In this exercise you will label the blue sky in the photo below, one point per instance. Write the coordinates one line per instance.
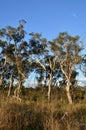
(48, 17)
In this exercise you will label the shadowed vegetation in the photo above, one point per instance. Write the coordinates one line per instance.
(34, 113)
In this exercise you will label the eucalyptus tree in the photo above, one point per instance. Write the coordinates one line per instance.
(42, 57)
(67, 49)
(15, 52)
(52, 72)
(37, 51)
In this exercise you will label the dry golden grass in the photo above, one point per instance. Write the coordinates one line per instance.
(40, 115)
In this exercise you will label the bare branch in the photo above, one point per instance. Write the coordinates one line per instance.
(63, 71)
(42, 65)
(22, 74)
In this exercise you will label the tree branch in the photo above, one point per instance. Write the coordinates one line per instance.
(22, 74)
(42, 65)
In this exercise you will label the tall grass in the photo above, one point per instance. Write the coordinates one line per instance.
(37, 114)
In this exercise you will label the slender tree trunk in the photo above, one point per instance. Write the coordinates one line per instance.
(0, 81)
(17, 90)
(68, 92)
(10, 86)
(49, 87)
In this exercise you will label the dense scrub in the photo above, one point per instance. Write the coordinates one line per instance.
(35, 113)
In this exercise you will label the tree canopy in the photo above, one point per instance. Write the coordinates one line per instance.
(49, 60)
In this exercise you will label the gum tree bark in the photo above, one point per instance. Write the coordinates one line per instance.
(67, 50)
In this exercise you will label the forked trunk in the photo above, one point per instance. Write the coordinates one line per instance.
(17, 90)
(68, 92)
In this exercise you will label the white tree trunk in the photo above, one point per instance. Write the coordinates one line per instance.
(17, 90)
(49, 88)
(68, 92)
(10, 86)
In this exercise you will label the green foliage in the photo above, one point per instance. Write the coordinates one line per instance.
(49, 60)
